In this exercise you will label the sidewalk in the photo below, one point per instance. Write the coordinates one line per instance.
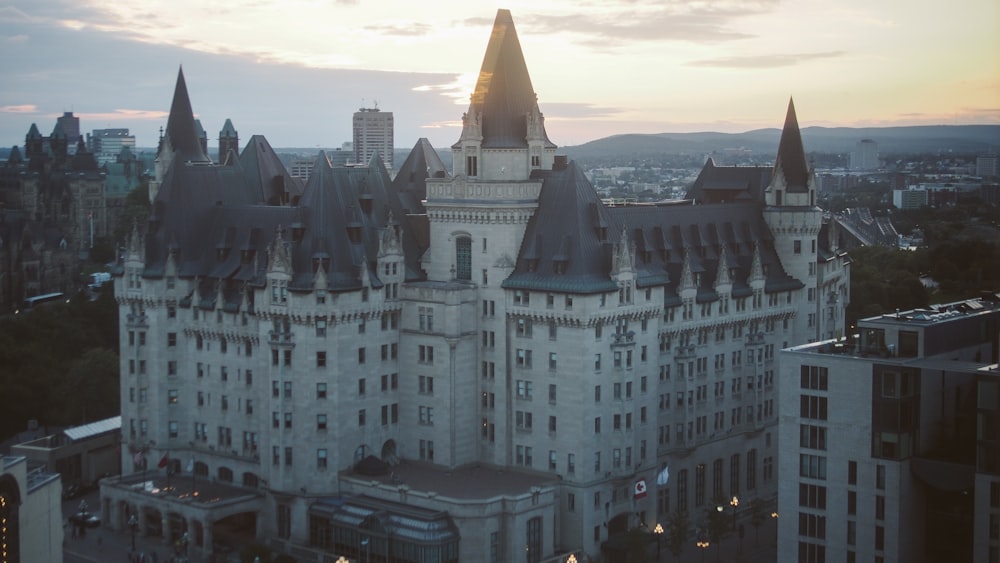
(102, 544)
(758, 546)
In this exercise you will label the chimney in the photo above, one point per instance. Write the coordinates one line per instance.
(560, 162)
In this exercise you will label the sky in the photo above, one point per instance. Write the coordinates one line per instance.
(296, 70)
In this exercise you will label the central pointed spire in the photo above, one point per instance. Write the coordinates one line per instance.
(182, 133)
(504, 95)
(791, 159)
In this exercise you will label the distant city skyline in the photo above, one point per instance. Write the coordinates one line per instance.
(296, 72)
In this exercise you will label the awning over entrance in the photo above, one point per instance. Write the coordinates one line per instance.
(402, 522)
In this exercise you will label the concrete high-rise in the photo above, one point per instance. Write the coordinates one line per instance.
(865, 155)
(373, 132)
(888, 440)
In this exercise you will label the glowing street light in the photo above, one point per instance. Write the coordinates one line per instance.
(658, 530)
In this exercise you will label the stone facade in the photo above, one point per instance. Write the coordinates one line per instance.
(506, 322)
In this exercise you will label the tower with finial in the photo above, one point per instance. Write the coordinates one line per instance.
(229, 144)
(792, 215)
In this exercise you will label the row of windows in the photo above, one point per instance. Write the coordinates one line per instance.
(700, 498)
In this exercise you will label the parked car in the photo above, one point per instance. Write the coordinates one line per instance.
(78, 489)
(86, 519)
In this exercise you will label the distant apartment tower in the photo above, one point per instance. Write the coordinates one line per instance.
(909, 198)
(881, 459)
(865, 155)
(107, 144)
(987, 165)
(373, 131)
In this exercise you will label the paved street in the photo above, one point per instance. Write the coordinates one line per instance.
(101, 545)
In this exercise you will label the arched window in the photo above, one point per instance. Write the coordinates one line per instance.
(463, 258)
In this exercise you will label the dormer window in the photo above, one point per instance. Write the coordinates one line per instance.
(354, 232)
(298, 232)
(602, 234)
(246, 255)
(366, 202)
(471, 166)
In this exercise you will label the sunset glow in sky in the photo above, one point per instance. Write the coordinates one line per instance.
(295, 71)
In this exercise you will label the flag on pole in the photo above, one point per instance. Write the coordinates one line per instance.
(164, 461)
(663, 476)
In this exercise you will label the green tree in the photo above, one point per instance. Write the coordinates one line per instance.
(678, 530)
(717, 523)
(637, 546)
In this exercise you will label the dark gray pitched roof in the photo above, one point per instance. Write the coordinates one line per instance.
(266, 174)
(182, 132)
(568, 243)
(791, 160)
(719, 184)
(564, 246)
(33, 132)
(411, 181)
(504, 95)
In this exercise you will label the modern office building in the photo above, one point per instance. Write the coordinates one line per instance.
(486, 364)
(107, 144)
(373, 132)
(988, 166)
(910, 198)
(888, 440)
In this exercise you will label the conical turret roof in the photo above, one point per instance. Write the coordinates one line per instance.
(504, 95)
(182, 132)
(791, 160)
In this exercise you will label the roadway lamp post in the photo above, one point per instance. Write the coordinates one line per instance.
(774, 516)
(735, 503)
(133, 523)
(703, 545)
(658, 530)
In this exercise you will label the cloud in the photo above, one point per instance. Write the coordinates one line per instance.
(684, 20)
(23, 108)
(413, 30)
(765, 61)
(121, 114)
(19, 38)
(571, 110)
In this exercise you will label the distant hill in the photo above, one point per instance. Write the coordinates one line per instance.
(764, 142)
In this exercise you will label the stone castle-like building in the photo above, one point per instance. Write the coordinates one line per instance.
(456, 366)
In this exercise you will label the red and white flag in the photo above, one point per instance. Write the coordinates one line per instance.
(640, 489)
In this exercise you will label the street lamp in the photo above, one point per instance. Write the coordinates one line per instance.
(735, 503)
(366, 543)
(774, 515)
(342, 559)
(133, 523)
(703, 544)
(658, 530)
(571, 558)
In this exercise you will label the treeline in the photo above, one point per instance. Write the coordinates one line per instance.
(961, 259)
(59, 364)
